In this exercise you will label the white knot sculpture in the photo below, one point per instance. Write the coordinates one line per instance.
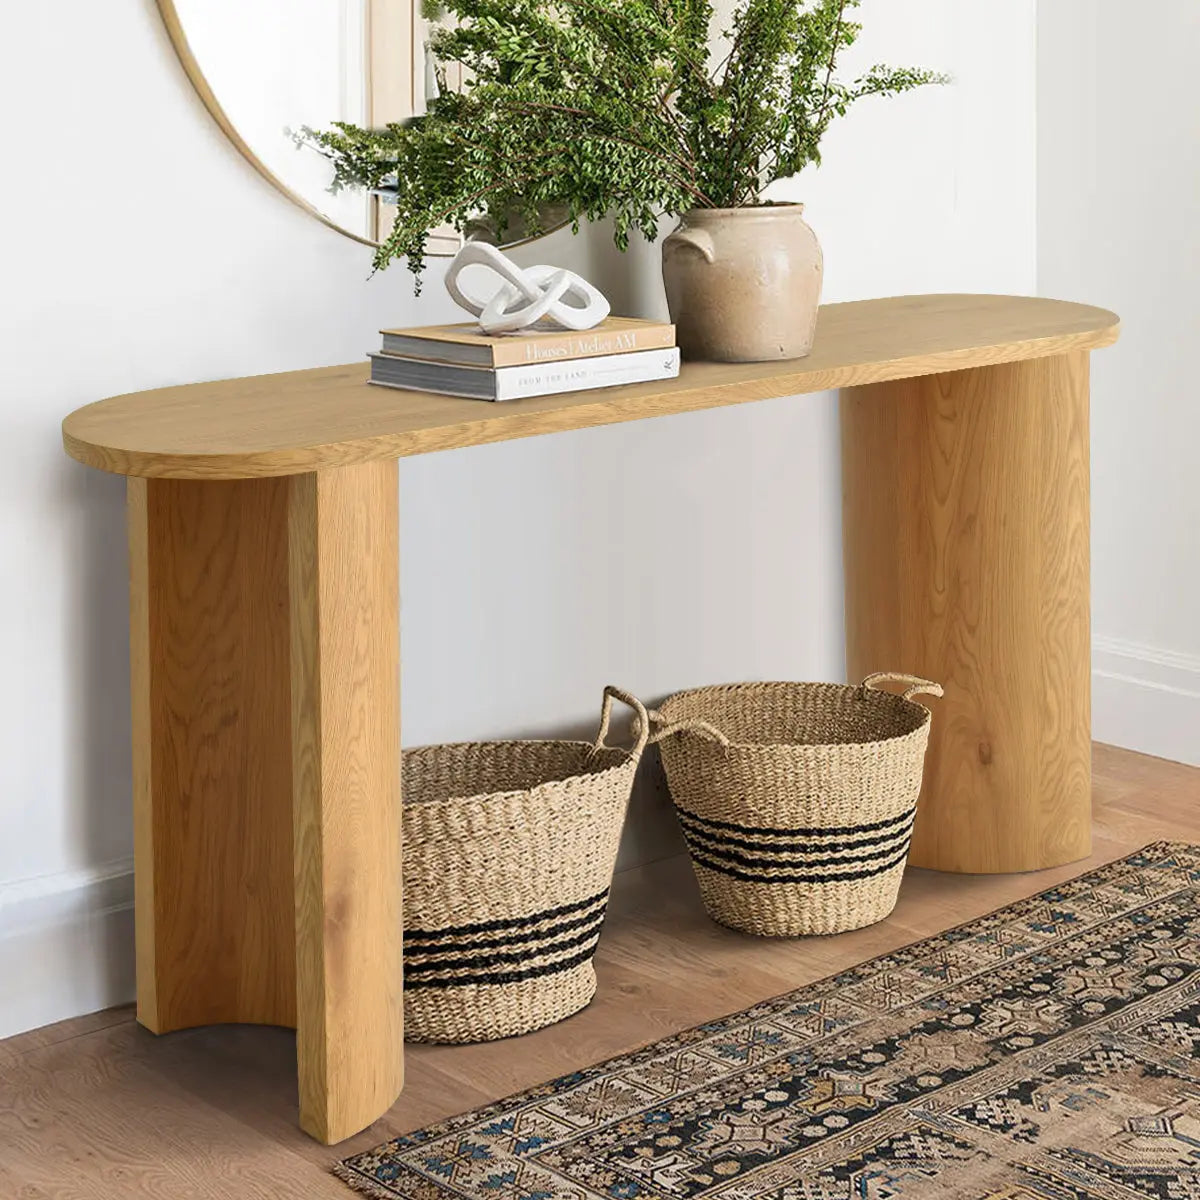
(551, 295)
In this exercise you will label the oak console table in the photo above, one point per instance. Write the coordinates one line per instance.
(264, 617)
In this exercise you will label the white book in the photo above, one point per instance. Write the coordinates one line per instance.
(535, 379)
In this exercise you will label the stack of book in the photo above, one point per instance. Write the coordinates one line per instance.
(460, 360)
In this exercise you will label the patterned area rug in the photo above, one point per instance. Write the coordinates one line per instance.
(1050, 1050)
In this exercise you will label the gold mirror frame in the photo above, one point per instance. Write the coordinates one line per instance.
(441, 245)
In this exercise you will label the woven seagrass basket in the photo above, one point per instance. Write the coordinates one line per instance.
(797, 800)
(509, 850)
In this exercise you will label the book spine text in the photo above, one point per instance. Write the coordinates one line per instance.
(513, 383)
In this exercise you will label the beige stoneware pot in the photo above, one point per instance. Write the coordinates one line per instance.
(743, 284)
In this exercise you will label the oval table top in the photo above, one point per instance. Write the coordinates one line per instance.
(299, 421)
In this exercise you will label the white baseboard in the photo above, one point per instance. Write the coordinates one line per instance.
(66, 945)
(1146, 699)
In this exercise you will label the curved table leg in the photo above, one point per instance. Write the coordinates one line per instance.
(965, 524)
(345, 617)
(265, 656)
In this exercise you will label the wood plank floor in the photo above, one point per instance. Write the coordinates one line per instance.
(99, 1109)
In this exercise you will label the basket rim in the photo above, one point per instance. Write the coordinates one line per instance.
(627, 759)
(876, 694)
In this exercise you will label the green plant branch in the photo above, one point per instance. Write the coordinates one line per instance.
(608, 107)
(605, 136)
(823, 105)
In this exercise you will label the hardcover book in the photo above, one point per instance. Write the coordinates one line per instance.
(465, 344)
(534, 379)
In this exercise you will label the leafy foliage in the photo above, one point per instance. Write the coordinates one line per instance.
(597, 107)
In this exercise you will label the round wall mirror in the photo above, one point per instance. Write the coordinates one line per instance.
(266, 68)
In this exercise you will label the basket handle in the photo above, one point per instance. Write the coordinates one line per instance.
(691, 725)
(641, 721)
(916, 685)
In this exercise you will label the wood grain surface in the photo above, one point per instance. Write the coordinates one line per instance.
(97, 1109)
(345, 662)
(211, 752)
(307, 420)
(966, 558)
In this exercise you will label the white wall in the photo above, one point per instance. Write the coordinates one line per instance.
(1119, 225)
(139, 250)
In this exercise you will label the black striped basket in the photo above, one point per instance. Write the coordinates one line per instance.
(797, 800)
(509, 850)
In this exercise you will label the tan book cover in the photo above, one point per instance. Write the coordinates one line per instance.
(465, 343)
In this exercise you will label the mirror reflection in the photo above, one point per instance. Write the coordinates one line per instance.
(267, 68)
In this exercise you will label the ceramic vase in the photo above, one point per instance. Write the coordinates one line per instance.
(743, 284)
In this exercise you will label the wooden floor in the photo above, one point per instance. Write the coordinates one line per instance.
(99, 1109)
